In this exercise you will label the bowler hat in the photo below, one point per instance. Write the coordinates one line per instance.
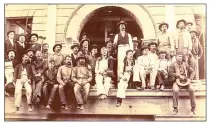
(144, 47)
(121, 22)
(152, 43)
(30, 50)
(10, 32)
(135, 39)
(94, 46)
(193, 31)
(21, 35)
(189, 23)
(34, 34)
(83, 40)
(75, 45)
(182, 20)
(8, 51)
(80, 57)
(162, 52)
(163, 23)
(55, 46)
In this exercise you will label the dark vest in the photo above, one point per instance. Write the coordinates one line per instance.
(123, 40)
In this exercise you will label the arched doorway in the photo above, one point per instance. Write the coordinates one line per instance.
(102, 24)
(81, 16)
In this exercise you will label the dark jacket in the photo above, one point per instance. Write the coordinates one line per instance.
(50, 76)
(39, 66)
(35, 46)
(137, 54)
(18, 70)
(73, 60)
(8, 46)
(20, 51)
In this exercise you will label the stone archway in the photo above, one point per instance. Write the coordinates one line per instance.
(81, 15)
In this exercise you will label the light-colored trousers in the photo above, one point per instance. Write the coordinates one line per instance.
(9, 76)
(18, 91)
(152, 73)
(121, 55)
(81, 95)
(122, 85)
(136, 73)
(103, 84)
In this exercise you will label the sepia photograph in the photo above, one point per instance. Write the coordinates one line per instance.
(105, 62)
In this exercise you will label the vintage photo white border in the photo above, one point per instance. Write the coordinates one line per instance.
(98, 2)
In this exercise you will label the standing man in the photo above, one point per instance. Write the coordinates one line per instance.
(102, 70)
(164, 40)
(45, 53)
(21, 47)
(75, 49)
(182, 81)
(110, 49)
(123, 42)
(82, 77)
(10, 42)
(22, 77)
(93, 58)
(183, 41)
(57, 56)
(125, 72)
(189, 26)
(33, 43)
(65, 82)
(136, 50)
(197, 52)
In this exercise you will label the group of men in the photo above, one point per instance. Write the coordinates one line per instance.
(123, 61)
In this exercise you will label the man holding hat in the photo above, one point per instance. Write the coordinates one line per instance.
(10, 43)
(197, 52)
(189, 26)
(82, 77)
(57, 56)
(182, 69)
(183, 41)
(123, 42)
(164, 40)
(21, 47)
(33, 42)
(75, 49)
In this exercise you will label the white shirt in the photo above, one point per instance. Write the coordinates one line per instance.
(129, 39)
(101, 66)
(11, 41)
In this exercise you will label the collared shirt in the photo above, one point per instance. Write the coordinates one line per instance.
(144, 60)
(129, 40)
(165, 42)
(183, 39)
(101, 65)
(154, 59)
(163, 63)
(58, 58)
(64, 73)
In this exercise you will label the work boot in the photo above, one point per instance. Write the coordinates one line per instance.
(193, 111)
(175, 111)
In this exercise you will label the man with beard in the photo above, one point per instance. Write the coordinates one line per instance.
(183, 41)
(33, 42)
(84, 47)
(82, 77)
(31, 56)
(65, 82)
(10, 42)
(104, 66)
(93, 58)
(38, 68)
(125, 73)
(22, 77)
(75, 49)
(197, 52)
(45, 53)
(123, 42)
(10, 64)
(21, 47)
(164, 40)
(57, 56)
(182, 81)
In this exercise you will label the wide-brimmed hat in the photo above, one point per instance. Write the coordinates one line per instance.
(189, 23)
(85, 39)
(162, 52)
(81, 57)
(34, 34)
(10, 32)
(144, 47)
(193, 31)
(163, 23)
(10, 51)
(135, 39)
(21, 35)
(75, 45)
(152, 43)
(121, 22)
(55, 46)
(108, 40)
(94, 46)
(30, 50)
(182, 20)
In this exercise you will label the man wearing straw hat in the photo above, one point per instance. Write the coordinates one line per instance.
(123, 42)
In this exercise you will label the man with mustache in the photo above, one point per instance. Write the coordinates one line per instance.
(123, 42)
(45, 53)
(183, 41)
(82, 77)
(21, 47)
(65, 82)
(10, 43)
(164, 40)
(57, 56)
(75, 49)
(22, 77)
(33, 43)
(10, 64)
(31, 56)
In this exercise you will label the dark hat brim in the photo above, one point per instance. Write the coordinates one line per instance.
(83, 40)
(75, 45)
(10, 32)
(189, 23)
(162, 52)
(55, 46)
(194, 32)
(121, 22)
(30, 50)
(136, 41)
(162, 25)
(152, 43)
(81, 57)
(182, 20)
(144, 47)
(34, 34)
(94, 46)
(10, 51)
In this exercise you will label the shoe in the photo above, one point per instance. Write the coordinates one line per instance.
(138, 88)
(17, 109)
(48, 107)
(30, 109)
(175, 111)
(153, 88)
(162, 87)
(193, 111)
(78, 106)
(66, 108)
(118, 104)
(82, 107)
